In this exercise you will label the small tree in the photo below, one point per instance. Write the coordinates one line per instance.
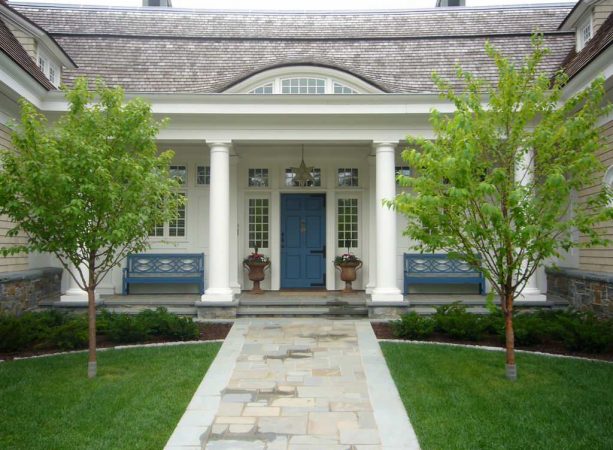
(89, 188)
(494, 187)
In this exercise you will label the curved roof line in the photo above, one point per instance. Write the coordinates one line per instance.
(304, 63)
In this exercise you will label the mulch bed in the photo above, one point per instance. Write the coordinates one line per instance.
(209, 331)
(383, 330)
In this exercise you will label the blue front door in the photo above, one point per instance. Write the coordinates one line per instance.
(303, 240)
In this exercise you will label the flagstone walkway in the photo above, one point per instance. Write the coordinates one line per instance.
(296, 384)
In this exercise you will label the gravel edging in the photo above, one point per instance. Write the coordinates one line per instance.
(493, 349)
(117, 347)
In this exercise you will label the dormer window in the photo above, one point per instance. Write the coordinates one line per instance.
(584, 33)
(302, 86)
(48, 67)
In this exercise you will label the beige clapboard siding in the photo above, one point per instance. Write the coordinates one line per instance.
(26, 40)
(16, 262)
(600, 259)
(601, 12)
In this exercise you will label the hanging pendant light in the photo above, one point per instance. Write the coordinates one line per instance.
(304, 174)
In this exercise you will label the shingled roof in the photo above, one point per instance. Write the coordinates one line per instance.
(603, 38)
(10, 46)
(166, 50)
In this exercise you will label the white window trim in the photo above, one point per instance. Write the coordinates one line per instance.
(344, 196)
(49, 64)
(330, 75)
(581, 25)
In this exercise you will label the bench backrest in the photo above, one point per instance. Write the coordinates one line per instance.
(435, 263)
(169, 263)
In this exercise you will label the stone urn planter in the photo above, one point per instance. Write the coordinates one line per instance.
(256, 264)
(348, 266)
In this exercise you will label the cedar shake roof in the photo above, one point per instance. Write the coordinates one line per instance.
(13, 49)
(575, 62)
(172, 50)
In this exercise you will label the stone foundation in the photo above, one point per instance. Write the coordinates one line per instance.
(584, 291)
(217, 310)
(24, 290)
(387, 310)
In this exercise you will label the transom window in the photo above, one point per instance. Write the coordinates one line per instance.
(265, 89)
(348, 177)
(258, 222)
(258, 177)
(203, 175)
(404, 171)
(341, 89)
(347, 222)
(290, 177)
(303, 86)
(180, 173)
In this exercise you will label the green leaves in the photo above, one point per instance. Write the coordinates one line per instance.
(497, 179)
(90, 187)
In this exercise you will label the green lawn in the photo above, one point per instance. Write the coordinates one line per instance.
(458, 398)
(134, 403)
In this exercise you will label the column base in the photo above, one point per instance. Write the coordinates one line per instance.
(532, 295)
(77, 296)
(369, 289)
(218, 295)
(386, 295)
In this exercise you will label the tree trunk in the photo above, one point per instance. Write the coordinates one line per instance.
(511, 369)
(91, 313)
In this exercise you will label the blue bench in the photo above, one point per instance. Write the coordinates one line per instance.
(163, 268)
(437, 268)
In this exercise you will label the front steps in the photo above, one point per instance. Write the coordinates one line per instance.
(330, 304)
(336, 308)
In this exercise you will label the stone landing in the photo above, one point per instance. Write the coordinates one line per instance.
(296, 384)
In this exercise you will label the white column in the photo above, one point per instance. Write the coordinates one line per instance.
(372, 228)
(74, 292)
(386, 288)
(218, 258)
(234, 258)
(524, 174)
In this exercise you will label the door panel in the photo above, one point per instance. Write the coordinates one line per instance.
(303, 240)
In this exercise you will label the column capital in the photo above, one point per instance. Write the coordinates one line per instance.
(384, 146)
(220, 145)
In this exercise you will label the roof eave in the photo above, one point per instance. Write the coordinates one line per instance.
(570, 21)
(45, 38)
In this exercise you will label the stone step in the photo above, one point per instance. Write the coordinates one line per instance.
(302, 311)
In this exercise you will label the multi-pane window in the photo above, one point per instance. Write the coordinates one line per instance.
(290, 178)
(52, 75)
(158, 230)
(203, 175)
(176, 228)
(265, 89)
(348, 177)
(584, 33)
(404, 171)
(42, 64)
(258, 177)
(341, 89)
(303, 86)
(347, 222)
(258, 223)
(180, 173)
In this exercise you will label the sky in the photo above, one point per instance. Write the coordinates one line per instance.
(296, 4)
